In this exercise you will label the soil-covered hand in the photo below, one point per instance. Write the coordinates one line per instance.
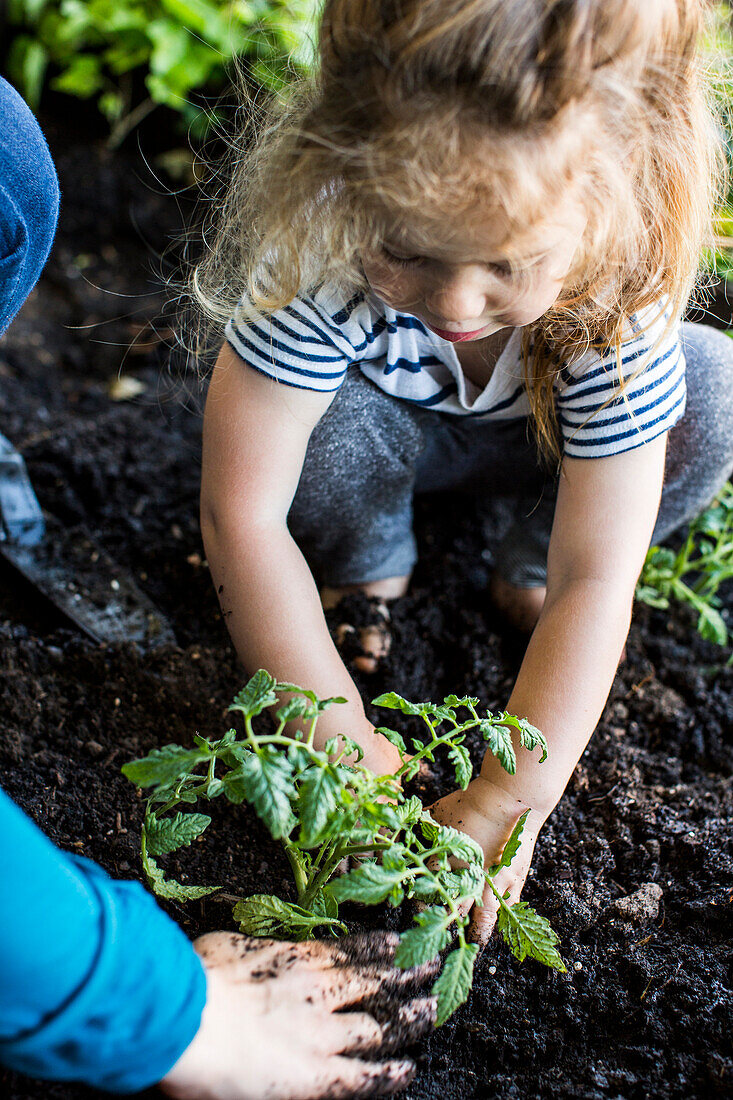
(274, 1027)
(488, 814)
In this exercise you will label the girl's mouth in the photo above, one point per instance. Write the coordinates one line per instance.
(456, 337)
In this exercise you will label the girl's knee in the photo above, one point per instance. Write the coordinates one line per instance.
(705, 433)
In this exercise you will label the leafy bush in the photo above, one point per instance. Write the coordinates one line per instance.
(696, 571)
(719, 51)
(95, 46)
(324, 810)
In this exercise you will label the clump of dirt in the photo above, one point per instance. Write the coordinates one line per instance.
(634, 868)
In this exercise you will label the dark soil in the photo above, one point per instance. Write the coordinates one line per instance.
(646, 1006)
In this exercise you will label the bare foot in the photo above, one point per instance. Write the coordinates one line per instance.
(375, 639)
(521, 606)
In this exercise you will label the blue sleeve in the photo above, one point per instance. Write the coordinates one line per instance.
(98, 984)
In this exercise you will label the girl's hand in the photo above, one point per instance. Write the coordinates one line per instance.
(380, 755)
(274, 1023)
(488, 814)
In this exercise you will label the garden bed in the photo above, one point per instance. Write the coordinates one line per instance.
(646, 1005)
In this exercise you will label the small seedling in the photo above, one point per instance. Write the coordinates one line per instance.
(694, 574)
(323, 809)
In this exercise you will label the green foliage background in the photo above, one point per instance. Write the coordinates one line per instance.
(97, 48)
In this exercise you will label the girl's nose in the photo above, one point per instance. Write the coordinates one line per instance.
(457, 299)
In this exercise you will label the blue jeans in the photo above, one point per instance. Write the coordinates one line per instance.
(110, 992)
(29, 203)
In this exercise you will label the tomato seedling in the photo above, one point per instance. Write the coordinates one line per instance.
(323, 809)
(694, 574)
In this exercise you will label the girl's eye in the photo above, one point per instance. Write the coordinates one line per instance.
(399, 259)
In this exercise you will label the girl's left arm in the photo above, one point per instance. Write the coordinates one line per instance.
(604, 519)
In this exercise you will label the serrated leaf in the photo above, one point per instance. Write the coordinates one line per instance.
(392, 701)
(257, 694)
(529, 934)
(467, 882)
(163, 765)
(393, 858)
(169, 888)
(393, 737)
(455, 843)
(370, 883)
(266, 780)
(464, 701)
(317, 800)
(512, 845)
(455, 981)
(280, 687)
(408, 812)
(711, 625)
(167, 834)
(343, 744)
(268, 915)
(499, 740)
(297, 707)
(462, 764)
(529, 736)
(427, 939)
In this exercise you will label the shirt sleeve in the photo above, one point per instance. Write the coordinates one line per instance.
(606, 407)
(303, 345)
(98, 984)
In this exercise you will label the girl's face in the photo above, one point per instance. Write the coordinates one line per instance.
(464, 288)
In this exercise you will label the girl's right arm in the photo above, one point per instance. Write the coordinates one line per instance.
(256, 432)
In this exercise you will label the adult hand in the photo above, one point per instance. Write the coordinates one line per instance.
(274, 1028)
(488, 814)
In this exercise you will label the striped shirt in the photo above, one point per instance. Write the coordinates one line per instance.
(311, 343)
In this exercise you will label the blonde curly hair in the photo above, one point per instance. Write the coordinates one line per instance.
(526, 96)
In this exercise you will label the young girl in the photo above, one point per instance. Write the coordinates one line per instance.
(461, 258)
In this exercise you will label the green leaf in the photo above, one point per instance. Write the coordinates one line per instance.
(711, 625)
(163, 765)
(393, 737)
(529, 934)
(317, 799)
(454, 984)
(167, 834)
(370, 883)
(343, 744)
(530, 737)
(324, 704)
(512, 845)
(462, 764)
(266, 779)
(499, 740)
(392, 701)
(455, 843)
(27, 62)
(169, 888)
(409, 811)
(82, 77)
(427, 939)
(464, 701)
(257, 694)
(296, 707)
(467, 882)
(268, 915)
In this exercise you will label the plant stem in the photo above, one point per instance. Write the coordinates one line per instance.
(299, 872)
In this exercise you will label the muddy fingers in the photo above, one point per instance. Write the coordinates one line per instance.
(355, 1079)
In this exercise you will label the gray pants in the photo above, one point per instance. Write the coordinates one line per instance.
(371, 453)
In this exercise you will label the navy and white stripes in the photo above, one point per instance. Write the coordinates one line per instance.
(311, 343)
